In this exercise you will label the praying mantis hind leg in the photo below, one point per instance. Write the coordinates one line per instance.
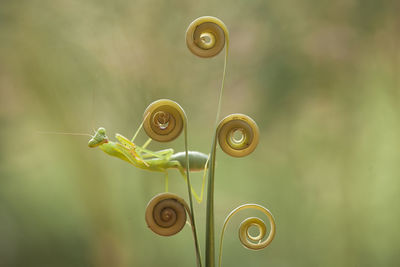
(198, 198)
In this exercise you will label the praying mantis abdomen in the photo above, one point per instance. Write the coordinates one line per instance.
(197, 160)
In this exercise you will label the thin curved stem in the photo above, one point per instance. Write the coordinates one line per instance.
(222, 83)
(210, 228)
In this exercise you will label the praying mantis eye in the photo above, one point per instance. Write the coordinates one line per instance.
(238, 135)
(163, 120)
(206, 36)
(101, 131)
(166, 214)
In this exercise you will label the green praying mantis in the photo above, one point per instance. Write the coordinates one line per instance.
(158, 161)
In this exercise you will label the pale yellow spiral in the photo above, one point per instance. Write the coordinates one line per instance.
(248, 240)
(238, 135)
(206, 36)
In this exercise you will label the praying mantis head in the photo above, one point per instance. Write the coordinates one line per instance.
(98, 138)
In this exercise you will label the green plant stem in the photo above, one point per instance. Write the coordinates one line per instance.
(210, 237)
(196, 241)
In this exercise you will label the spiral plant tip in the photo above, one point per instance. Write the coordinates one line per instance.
(238, 135)
(206, 36)
(166, 214)
(163, 120)
(255, 242)
(249, 241)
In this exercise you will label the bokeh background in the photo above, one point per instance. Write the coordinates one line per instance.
(321, 79)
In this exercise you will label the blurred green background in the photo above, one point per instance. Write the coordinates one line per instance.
(321, 79)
